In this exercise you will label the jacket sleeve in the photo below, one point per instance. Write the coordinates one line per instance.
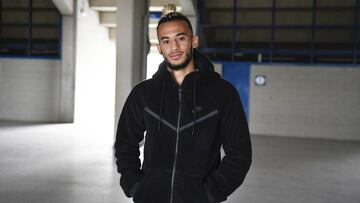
(237, 146)
(130, 132)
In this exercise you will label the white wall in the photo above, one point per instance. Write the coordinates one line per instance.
(95, 75)
(29, 90)
(306, 101)
(49, 84)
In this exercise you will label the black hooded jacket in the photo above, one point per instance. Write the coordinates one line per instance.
(185, 128)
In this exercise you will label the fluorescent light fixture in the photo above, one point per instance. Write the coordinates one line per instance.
(152, 25)
(160, 8)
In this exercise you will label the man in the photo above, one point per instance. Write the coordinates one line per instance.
(188, 113)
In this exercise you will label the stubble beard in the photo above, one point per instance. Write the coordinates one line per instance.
(182, 65)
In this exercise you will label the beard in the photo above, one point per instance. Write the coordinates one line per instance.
(182, 65)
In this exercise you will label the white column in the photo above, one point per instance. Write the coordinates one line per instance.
(188, 9)
(67, 85)
(130, 45)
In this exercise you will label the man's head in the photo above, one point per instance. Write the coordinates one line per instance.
(176, 40)
(175, 16)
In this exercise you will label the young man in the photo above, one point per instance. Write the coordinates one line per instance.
(188, 113)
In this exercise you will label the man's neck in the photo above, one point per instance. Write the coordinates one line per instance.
(179, 75)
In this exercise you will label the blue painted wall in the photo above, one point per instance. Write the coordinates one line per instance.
(238, 74)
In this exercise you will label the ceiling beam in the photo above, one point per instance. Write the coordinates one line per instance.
(103, 5)
(66, 7)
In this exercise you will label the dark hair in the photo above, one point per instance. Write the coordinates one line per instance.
(174, 16)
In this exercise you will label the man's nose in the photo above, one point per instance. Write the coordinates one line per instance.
(174, 45)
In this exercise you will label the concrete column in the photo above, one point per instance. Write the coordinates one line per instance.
(67, 91)
(131, 48)
(188, 9)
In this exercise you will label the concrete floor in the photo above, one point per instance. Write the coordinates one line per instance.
(55, 163)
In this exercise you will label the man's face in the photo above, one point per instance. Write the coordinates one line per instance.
(176, 43)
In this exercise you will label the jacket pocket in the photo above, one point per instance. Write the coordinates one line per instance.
(190, 189)
(153, 188)
(209, 196)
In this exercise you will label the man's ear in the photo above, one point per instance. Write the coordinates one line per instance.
(195, 41)
(159, 49)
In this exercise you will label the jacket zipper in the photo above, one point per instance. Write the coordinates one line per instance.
(176, 147)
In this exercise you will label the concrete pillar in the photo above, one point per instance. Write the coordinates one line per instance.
(188, 9)
(67, 92)
(132, 26)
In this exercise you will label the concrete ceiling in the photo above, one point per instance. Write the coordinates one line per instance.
(107, 10)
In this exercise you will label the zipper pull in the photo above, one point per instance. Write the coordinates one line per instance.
(180, 94)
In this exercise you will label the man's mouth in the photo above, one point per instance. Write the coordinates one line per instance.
(175, 56)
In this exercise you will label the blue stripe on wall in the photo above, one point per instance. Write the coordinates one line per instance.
(238, 74)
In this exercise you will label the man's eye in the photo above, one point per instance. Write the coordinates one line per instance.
(165, 42)
(181, 38)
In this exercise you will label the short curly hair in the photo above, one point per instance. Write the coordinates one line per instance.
(174, 16)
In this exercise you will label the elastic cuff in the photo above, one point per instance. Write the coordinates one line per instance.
(134, 189)
(212, 193)
(210, 197)
(128, 181)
